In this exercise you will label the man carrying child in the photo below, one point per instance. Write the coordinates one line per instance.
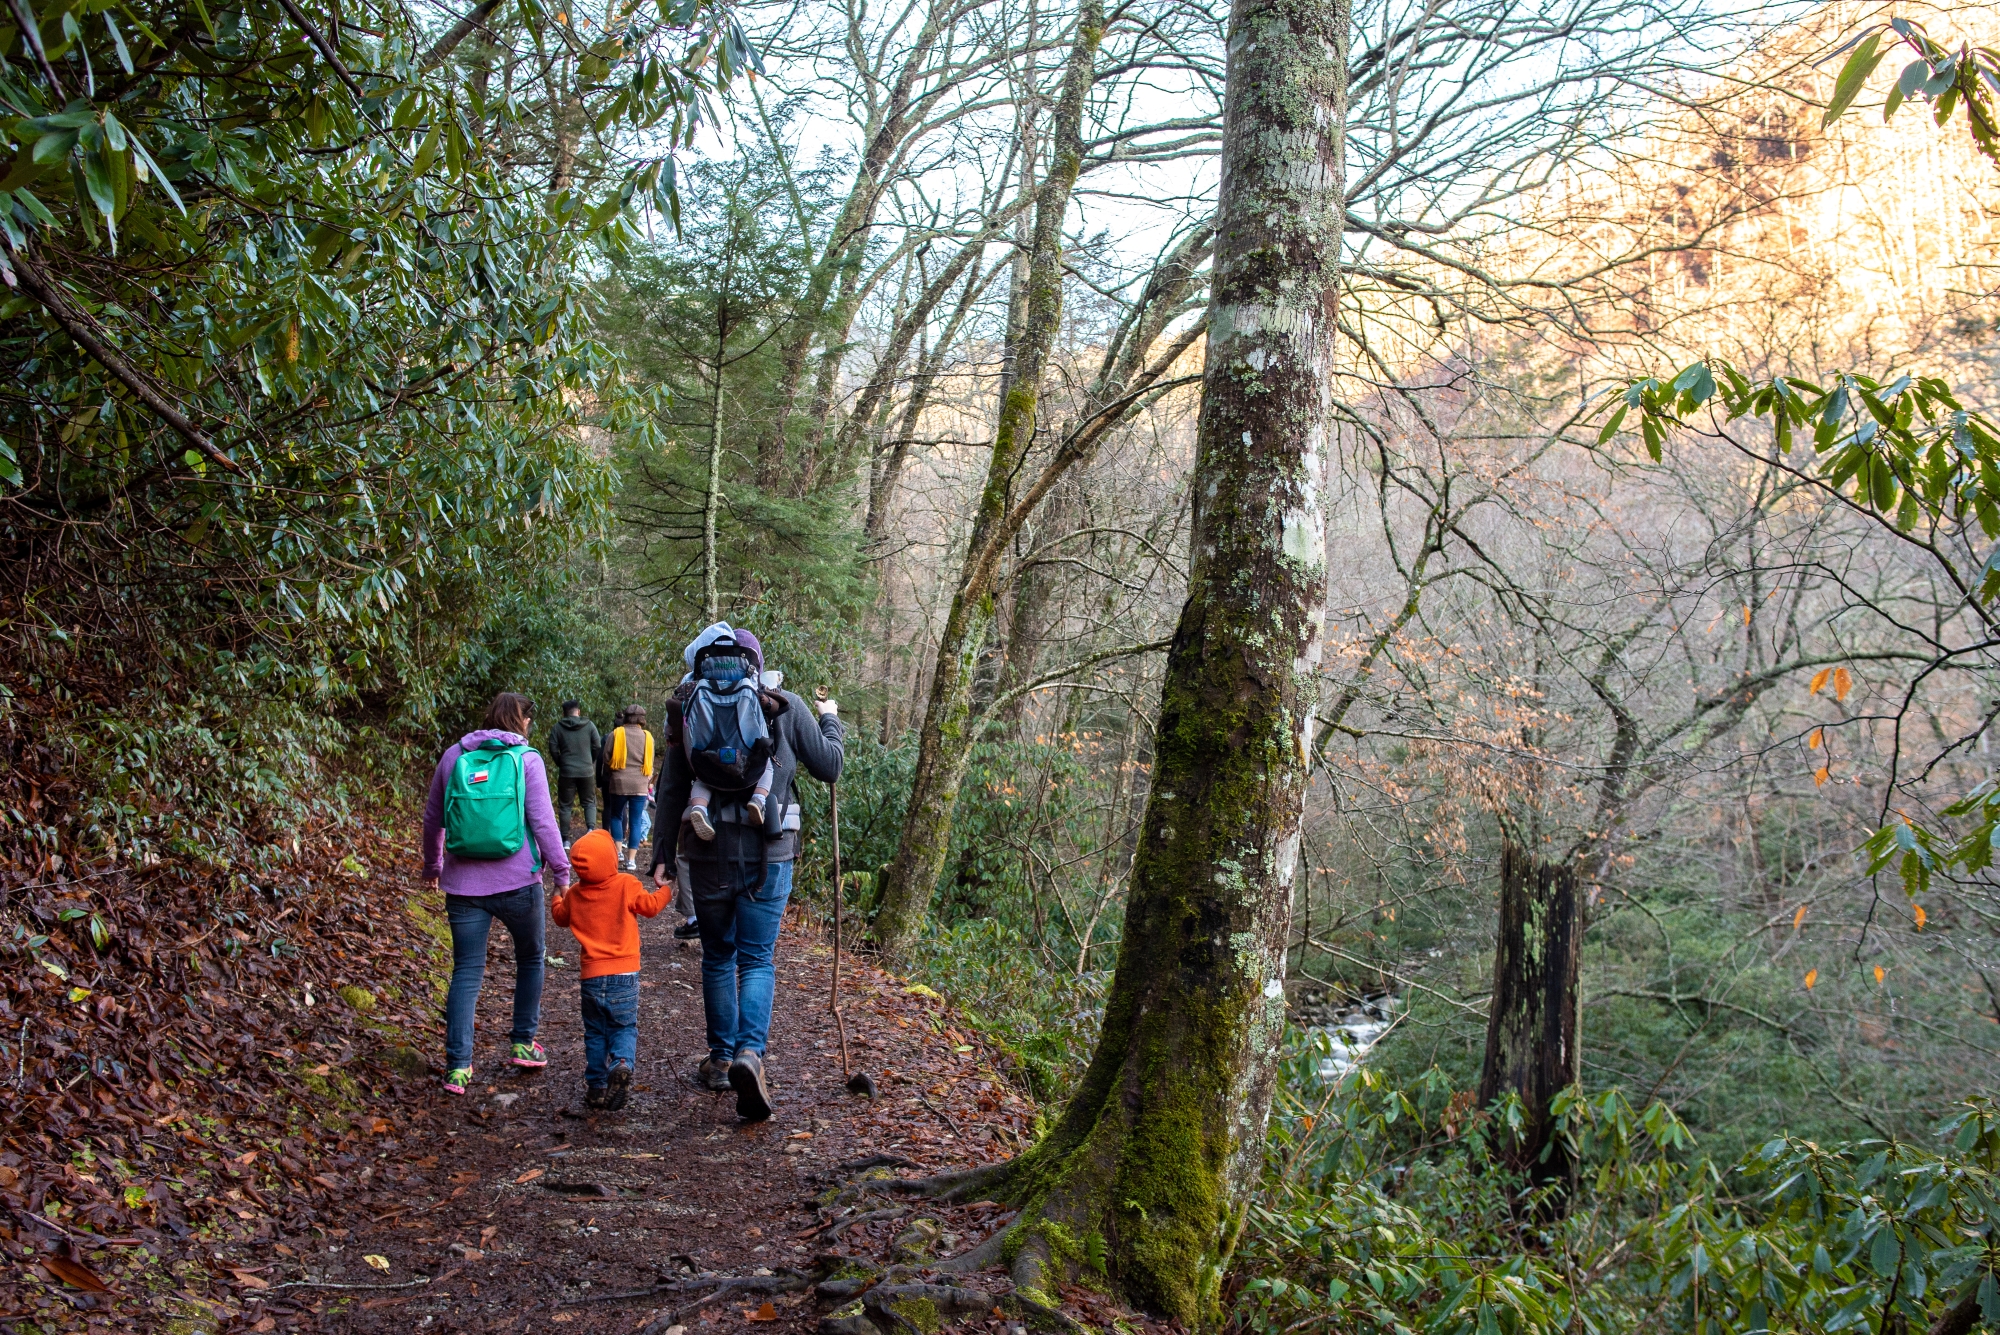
(740, 868)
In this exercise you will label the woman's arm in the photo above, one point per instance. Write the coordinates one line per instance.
(432, 846)
(542, 818)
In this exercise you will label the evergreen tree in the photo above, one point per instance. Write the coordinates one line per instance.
(707, 528)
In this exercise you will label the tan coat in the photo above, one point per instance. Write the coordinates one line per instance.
(633, 778)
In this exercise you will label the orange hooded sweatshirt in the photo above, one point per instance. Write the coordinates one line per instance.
(599, 908)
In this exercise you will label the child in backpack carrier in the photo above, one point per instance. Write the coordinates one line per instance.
(603, 909)
(700, 795)
(718, 658)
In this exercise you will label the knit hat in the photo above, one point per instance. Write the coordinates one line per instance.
(710, 635)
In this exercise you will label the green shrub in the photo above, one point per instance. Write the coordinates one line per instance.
(1384, 1209)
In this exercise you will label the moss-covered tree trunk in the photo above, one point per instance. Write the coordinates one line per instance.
(1147, 1175)
(945, 744)
(1531, 1030)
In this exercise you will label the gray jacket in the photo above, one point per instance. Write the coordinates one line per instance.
(800, 737)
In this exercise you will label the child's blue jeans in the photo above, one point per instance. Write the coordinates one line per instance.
(610, 1024)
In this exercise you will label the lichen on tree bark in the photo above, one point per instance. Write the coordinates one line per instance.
(1147, 1173)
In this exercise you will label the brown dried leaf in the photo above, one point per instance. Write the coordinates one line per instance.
(75, 1274)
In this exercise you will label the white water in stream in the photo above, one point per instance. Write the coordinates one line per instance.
(1350, 1030)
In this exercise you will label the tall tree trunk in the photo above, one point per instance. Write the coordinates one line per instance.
(1017, 264)
(711, 506)
(839, 322)
(945, 744)
(810, 320)
(1028, 621)
(712, 503)
(886, 463)
(1531, 1031)
(1152, 1165)
(849, 238)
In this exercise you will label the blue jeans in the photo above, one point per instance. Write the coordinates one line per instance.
(627, 811)
(610, 1024)
(471, 916)
(738, 938)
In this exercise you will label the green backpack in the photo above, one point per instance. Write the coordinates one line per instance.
(486, 804)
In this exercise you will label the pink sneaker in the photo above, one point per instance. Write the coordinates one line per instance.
(456, 1079)
(529, 1054)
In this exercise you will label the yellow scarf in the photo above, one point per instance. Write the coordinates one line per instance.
(619, 759)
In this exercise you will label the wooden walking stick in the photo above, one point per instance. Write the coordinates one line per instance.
(858, 1082)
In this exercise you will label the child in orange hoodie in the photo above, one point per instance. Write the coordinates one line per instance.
(599, 908)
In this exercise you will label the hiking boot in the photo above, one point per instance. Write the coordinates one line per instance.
(712, 1075)
(687, 931)
(704, 828)
(456, 1079)
(529, 1055)
(619, 1085)
(746, 1077)
(594, 1097)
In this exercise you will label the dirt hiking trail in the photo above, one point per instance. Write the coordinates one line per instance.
(227, 1116)
(513, 1210)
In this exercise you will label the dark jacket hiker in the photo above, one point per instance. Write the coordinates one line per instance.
(574, 747)
(574, 743)
(747, 847)
(742, 878)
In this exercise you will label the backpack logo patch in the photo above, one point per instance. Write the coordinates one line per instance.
(479, 775)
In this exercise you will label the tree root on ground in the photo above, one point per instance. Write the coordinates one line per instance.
(839, 1226)
(950, 1188)
(1031, 1272)
(986, 1255)
(884, 1304)
(711, 1287)
(919, 1308)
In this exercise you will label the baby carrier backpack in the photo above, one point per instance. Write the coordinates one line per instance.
(723, 732)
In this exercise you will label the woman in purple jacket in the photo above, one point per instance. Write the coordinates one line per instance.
(509, 888)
